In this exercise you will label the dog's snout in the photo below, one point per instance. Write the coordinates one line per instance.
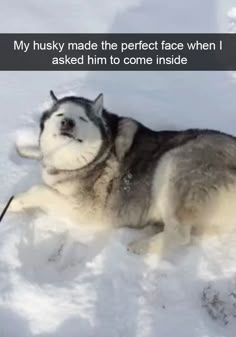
(67, 124)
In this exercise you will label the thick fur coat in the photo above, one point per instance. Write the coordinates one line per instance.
(99, 168)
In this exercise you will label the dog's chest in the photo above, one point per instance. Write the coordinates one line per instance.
(66, 183)
(108, 196)
(92, 190)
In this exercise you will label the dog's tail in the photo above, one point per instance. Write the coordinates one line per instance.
(30, 152)
(26, 145)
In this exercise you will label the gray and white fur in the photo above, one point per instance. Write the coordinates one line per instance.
(110, 171)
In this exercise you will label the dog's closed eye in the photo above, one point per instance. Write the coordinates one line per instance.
(59, 115)
(83, 119)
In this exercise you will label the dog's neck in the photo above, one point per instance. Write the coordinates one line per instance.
(90, 181)
(52, 175)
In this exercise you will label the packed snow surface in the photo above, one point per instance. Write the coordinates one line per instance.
(57, 283)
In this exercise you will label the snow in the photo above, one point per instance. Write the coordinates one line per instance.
(232, 20)
(56, 283)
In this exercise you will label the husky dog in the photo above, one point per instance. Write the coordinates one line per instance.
(99, 168)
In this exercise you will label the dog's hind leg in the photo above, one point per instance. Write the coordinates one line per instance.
(174, 235)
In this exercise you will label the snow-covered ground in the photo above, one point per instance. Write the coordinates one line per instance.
(100, 289)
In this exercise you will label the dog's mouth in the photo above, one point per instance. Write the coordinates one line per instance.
(67, 134)
(70, 135)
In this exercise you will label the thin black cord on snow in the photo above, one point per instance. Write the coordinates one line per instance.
(6, 207)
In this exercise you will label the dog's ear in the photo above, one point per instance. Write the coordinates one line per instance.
(53, 96)
(98, 105)
(127, 129)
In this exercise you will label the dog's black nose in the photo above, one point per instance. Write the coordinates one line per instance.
(67, 124)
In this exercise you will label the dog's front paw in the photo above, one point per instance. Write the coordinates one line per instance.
(11, 206)
(17, 205)
(138, 247)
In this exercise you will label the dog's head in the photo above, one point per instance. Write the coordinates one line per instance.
(73, 132)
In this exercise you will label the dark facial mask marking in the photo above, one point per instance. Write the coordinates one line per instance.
(83, 119)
